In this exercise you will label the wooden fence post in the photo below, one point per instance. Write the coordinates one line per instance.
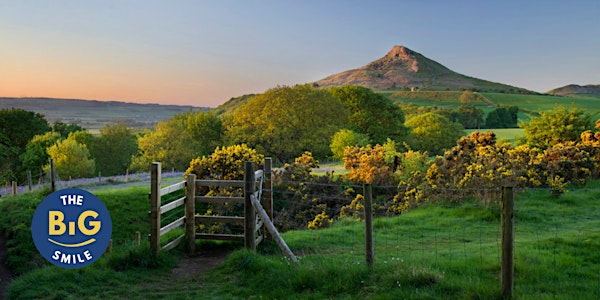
(507, 227)
(267, 194)
(249, 214)
(190, 213)
(14, 188)
(52, 182)
(29, 181)
(155, 208)
(369, 252)
(138, 238)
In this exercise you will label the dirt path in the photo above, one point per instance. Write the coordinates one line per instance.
(201, 262)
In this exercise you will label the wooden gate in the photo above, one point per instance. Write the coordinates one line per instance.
(257, 185)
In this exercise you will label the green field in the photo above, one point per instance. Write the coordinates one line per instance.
(528, 104)
(432, 252)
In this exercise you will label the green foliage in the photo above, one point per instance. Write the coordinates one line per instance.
(226, 163)
(502, 117)
(433, 133)
(71, 159)
(556, 126)
(372, 114)
(469, 116)
(370, 165)
(35, 156)
(113, 149)
(285, 121)
(17, 128)
(346, 138)
(297, 199)
(207, 130)
(169, 143)
(65, 129)
(467, 97)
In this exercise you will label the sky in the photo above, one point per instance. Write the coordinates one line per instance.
(203, 53)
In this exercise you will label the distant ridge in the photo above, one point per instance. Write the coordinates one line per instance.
(576, 90)
(94, 114)
(405, 68)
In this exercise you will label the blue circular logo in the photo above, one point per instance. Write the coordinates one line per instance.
(71, 228)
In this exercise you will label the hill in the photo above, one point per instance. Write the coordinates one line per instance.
(93, 115)
(589, 90)
(405, 68)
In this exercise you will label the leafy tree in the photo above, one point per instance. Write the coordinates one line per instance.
(372, 114)
(469, 116)
(284, 122)
(35, 156)
(467, 97)
(434, 133)
(17, 128)
(71, 159)
(502, 117)
(207, 130)
(65, 129)
(345, 138)
(177, 141)
(169, 143)
(557, 126)
(113, 149)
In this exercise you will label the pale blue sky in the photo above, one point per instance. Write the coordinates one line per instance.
(204, 52)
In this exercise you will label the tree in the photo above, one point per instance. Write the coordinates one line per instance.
(206, 128)
(177, 141)
(372, 114)
(284, 122)
(502, 117)
(434, 133)
(113, 149)
(557, 126)
(17, 128)
(35, 156)
(346, 138)
(169, 143)
(467, 97)
(470, 116)
(71, 159)
(65, 129)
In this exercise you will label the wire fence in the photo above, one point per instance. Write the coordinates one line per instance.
(556, 247)
(41, 180)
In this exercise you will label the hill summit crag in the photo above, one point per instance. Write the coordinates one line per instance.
(405, 68)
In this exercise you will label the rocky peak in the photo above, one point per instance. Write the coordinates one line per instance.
(400, 52)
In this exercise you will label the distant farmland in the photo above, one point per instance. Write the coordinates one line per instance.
(93, 115)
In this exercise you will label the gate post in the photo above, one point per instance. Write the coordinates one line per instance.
(154, 212)
(190, 213)
(267, 193)
(249, 214)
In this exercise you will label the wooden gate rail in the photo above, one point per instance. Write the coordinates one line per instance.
(253, 225)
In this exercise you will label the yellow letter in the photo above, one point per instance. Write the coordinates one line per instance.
(95, 224)
(55, 223)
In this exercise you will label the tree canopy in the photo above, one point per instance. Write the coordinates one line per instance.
(557, 126)
(284, 122)
(372, 114)
(434, 133)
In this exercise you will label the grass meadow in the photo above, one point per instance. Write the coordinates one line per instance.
(430, 252)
